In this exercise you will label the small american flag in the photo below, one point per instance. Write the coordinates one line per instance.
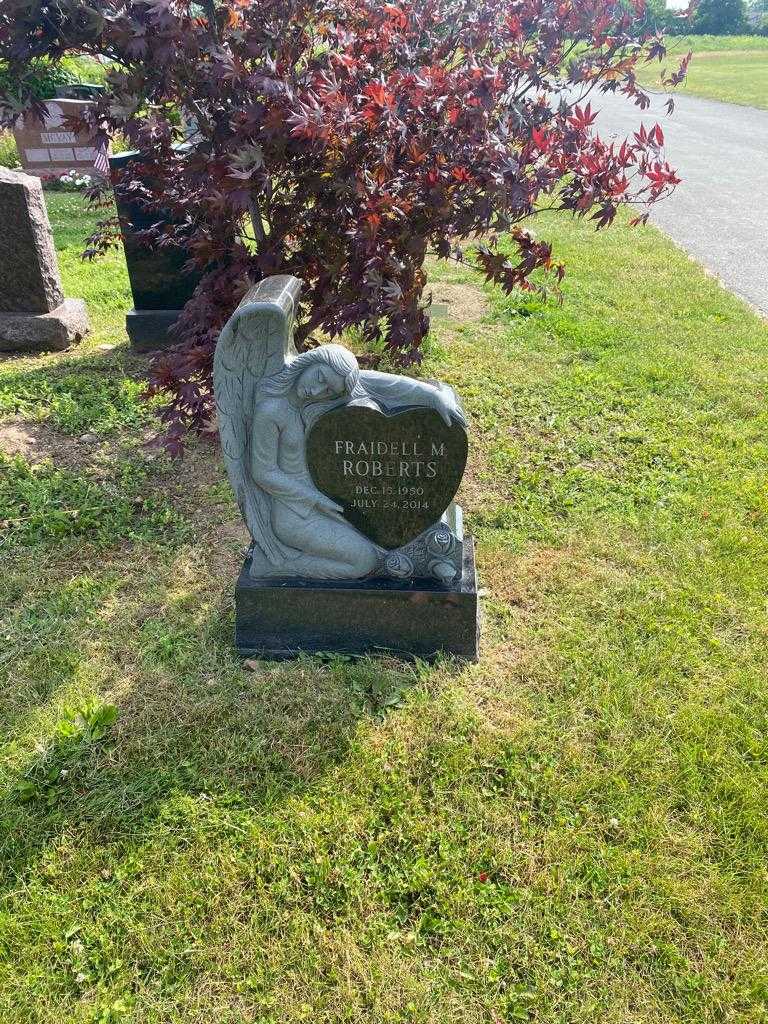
(101, 163)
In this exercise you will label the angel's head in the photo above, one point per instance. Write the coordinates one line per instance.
(320, 375)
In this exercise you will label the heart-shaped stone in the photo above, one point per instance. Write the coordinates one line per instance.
(394, 474)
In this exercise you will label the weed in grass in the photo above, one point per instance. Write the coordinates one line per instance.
(9, 154)
(75, 401)
(57, 766)
(43, 505)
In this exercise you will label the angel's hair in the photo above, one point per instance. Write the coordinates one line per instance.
(337, 357)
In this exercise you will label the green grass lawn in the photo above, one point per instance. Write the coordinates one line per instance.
(733, 69)
(572, 830)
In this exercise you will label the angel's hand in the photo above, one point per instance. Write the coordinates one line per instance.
(327, 504)
(448, 407)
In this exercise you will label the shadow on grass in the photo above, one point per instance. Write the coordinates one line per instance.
(76, 392)
(147, 625)
(23, 369)
(192, 725)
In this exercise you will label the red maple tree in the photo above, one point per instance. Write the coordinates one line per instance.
(345, 140)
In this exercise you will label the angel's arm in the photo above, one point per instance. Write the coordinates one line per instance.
(408, 391)
(266, 472)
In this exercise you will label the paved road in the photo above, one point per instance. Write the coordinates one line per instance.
(719, 214)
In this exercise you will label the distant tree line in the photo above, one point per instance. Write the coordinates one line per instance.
(712, 17)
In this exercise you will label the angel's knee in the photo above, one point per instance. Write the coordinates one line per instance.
(361, 558)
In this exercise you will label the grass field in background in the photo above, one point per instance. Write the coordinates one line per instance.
(733, 69)
(718, 44)
(572, 830)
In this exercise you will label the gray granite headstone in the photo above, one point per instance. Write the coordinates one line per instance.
(33, 311)
(29, 282)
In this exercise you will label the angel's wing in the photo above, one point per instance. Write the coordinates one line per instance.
(256, 342)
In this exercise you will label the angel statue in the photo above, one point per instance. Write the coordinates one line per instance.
(267, 399)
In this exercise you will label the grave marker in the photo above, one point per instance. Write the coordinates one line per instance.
(159, 284)
(34, 315)
(47, 148)
(346, 479)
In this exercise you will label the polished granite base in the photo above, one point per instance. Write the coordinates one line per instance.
(148, 328)
(281, 618)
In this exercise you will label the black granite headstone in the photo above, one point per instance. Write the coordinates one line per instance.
(160, 286)
(394, 475)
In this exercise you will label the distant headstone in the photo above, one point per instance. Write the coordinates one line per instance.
(79, 91)
(34, 315)
(160, 286)
(48, 148)
(346, 479)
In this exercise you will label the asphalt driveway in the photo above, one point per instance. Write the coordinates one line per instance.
(719, 214)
